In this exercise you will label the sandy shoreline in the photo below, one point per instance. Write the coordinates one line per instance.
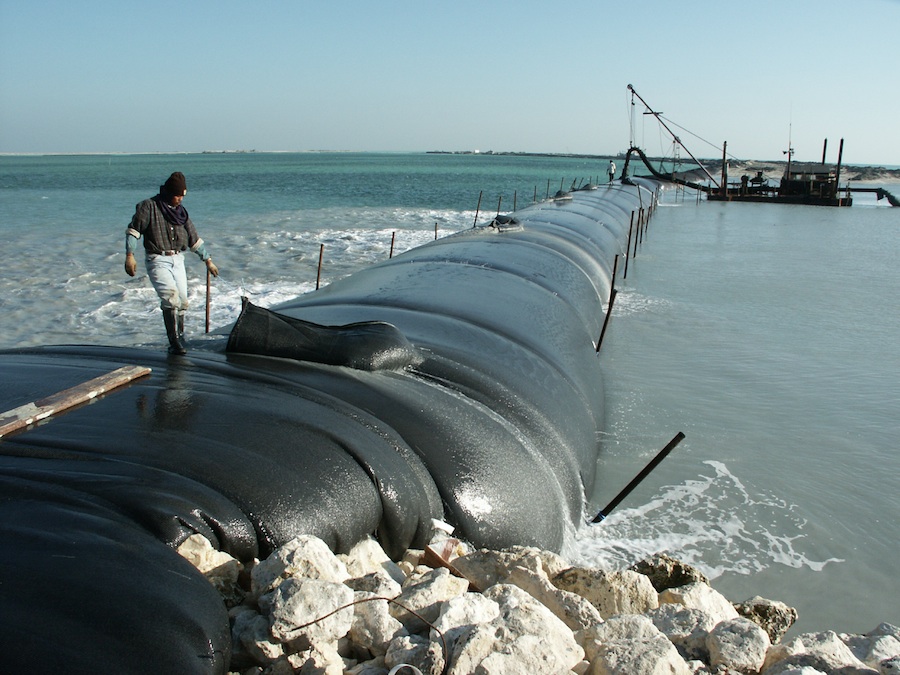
(775, 169)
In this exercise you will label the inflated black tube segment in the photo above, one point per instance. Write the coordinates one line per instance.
(458, 380)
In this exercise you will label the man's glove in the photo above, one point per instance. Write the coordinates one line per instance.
(130, 265)
(211, 266)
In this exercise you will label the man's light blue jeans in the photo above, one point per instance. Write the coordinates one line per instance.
(169, 279)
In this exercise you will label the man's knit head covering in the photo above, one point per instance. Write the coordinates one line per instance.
(175, 186)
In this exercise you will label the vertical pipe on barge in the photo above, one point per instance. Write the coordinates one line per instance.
(837, 176)
(724, 171)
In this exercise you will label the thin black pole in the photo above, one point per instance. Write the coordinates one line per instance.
(319, 271)
(628, 246)
(641, 476)
(478, 208)
(640, 228)
(636, 231)
(612, 282)
(609, 306)
(207, 299)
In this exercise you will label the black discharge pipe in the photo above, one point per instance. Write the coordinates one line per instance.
(637, 479)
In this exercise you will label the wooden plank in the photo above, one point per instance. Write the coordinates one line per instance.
(18, 418)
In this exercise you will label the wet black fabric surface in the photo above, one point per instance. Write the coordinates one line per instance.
(371, 345)
(457, 381)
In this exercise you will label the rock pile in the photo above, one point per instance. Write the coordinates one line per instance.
(449, 610)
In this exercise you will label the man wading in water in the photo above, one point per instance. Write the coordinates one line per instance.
(168, 231)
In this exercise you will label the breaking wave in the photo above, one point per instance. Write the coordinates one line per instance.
(713, 522)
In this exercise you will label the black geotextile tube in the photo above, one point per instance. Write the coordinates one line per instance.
(458, 380)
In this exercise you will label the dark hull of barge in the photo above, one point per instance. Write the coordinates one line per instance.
(774, 198)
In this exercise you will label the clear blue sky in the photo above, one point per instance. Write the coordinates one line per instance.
(119, 76)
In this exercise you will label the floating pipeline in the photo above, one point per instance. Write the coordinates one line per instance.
(458, 380)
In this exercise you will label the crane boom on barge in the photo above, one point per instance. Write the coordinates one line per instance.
(815, 184)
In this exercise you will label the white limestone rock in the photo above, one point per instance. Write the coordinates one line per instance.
(666, 572)
(611, 593)
(885, 629)
(299, 601)
(280, 667)
(372, 626)
(686, 628)
(424, 595)
(319, 659)
(875, 646)
(551, 562)
(306, 556)
(415, 651)
(526, 567)
(378, 583)
(875, 649)
(218, 567)
(198, 551)
(890, 666)
(581, 667)
(703, 597)
(824, 651)
(524, 638)
(367, 557)
(774, 617)
(629, 644)
(530, 557)
(250, 634)
(623, 628)
(698, 668)
(575, 611)
(460, 615)
(484, 568)
(739, 644)
(371, 667)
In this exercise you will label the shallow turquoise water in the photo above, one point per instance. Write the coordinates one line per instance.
(766, 333)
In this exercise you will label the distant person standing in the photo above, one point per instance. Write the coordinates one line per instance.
(612, 170)
(167, 231)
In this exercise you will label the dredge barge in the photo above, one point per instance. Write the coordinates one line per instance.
(809, 183)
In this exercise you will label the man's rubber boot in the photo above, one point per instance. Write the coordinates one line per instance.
(179, 327)
(176, 344)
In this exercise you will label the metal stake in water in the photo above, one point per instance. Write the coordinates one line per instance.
(637, 479)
